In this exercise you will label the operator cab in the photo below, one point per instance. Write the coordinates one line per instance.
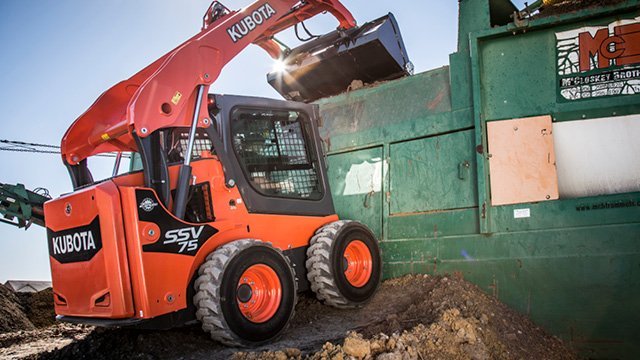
(270, 149)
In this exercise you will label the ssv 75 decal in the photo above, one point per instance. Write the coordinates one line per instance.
(176, 237)
(187, 238)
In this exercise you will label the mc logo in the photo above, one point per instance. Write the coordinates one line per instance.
(605, 49)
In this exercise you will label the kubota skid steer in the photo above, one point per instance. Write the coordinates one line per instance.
(230, 215)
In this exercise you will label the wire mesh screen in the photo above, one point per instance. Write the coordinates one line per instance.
(272, 148)
(178, 143)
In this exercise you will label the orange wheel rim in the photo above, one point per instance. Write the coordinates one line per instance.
(358, 263)
(259, 293)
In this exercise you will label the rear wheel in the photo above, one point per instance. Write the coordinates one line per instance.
(344, 264)
(245, 293)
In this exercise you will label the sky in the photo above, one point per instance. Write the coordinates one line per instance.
(57, 57)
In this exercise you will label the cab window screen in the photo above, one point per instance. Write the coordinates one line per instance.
(273, 150)
(176, 144)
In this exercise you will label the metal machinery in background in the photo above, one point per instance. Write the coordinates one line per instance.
(21, 207)
(516, 166)
(327, 66)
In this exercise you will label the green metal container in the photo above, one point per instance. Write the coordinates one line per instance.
(413, 159)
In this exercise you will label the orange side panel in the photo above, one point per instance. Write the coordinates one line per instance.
(89, 266)
(132, 267)
(131, 179)
(286, 231)
(160, 280)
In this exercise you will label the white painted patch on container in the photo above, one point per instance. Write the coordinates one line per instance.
(598, 156)
(364, 178)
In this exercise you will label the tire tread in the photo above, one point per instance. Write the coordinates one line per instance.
(209, 282)
(318, 266)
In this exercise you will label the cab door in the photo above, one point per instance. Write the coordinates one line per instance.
(272, 151)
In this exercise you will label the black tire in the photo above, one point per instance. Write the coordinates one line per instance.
(325, 267)
(217, 290)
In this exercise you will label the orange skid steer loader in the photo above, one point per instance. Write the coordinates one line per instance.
(229, 215)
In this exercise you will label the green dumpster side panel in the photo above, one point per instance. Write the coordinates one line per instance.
(433, 224)
(581, 284)
(508, 96)
(573, 266)
(370, 115)
(597, 210)
(437, 170)
(519, 78)
(355, 179)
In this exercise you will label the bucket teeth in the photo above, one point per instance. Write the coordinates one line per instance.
(329, 64)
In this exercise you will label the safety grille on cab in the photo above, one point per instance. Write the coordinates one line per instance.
(272, 149)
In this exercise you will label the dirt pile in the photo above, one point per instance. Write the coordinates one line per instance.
(38, 307)
(414, 317)
(454, 320)
(105, 344)
(12, 315)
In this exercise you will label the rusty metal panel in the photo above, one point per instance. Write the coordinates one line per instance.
(399, 109)
(522, 161)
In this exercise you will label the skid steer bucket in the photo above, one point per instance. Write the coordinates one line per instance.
(327, 65)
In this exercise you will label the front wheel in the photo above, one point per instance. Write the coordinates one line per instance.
(344, 264)
(245, 293)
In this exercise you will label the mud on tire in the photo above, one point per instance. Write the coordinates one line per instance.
(231, 301)
(344, 264)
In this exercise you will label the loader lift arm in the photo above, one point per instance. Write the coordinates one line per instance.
(162, 94)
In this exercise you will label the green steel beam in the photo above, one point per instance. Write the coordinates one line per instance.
(21, 207)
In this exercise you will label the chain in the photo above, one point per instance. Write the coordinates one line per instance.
(24, 147)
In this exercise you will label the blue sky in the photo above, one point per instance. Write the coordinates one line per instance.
(57, 57)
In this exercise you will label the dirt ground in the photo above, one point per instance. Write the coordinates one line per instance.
(414, 317)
